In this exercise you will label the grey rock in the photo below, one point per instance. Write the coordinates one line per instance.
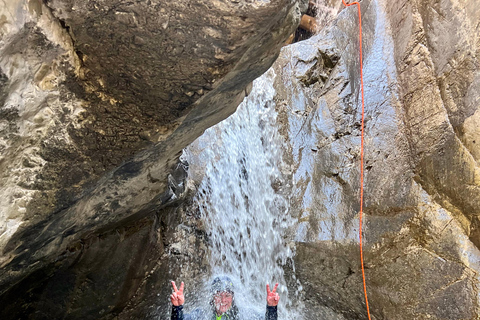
(421, 172)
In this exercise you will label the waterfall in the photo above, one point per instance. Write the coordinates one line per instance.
(245, 214)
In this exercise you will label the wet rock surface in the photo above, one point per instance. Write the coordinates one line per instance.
(421, 171)
(97, 101)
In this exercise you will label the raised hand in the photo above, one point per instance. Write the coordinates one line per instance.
(177, 297)
(272, 296)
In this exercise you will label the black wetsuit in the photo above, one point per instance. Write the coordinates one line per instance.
(232, 314)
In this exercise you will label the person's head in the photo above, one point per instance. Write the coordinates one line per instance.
(222, 290)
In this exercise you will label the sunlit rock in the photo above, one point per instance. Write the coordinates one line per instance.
(421, 172)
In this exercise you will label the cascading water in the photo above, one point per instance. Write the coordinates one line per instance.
(245, 214)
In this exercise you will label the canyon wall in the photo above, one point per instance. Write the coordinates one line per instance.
(97, 101)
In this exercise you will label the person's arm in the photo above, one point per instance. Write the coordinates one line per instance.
(177, 312)
(272, 302)
(177, 300)
(271, 313)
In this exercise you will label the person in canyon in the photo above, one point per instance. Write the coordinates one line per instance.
(223, 303)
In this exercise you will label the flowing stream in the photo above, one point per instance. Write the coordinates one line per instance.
(245, 214)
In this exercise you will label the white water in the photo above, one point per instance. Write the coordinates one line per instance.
(245, 217)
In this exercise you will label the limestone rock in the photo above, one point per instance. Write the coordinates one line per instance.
(422, 182)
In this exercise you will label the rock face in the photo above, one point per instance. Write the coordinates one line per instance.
(97, 100)
(95, 214)
(422, 187)
(422, 179)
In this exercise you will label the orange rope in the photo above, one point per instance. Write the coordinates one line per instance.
(361, 153)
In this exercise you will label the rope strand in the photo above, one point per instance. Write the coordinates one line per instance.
(361, 153)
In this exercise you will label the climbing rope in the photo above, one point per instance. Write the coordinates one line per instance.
(361, 152)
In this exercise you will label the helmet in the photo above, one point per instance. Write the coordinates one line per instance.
(222, 284)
